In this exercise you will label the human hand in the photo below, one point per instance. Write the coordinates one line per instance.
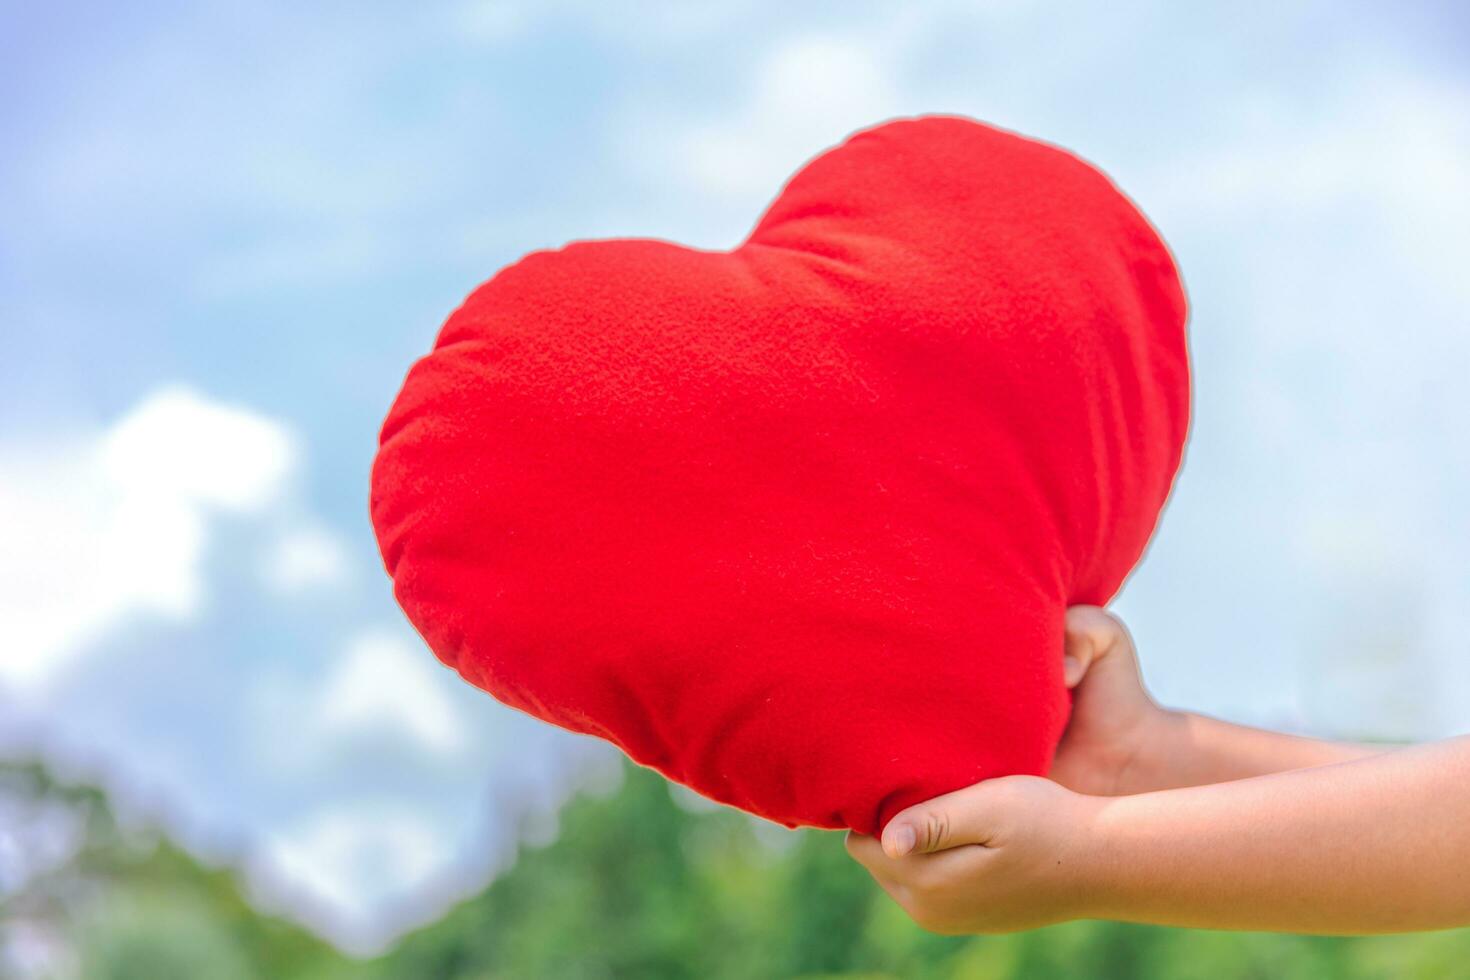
(1116, 726)
(1003, 855)
(1374, 844)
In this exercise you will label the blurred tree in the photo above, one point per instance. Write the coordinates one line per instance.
(81, 896)
(636, 884)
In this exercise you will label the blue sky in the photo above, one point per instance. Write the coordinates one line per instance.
(229, 228)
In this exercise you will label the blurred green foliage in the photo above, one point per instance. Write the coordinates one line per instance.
(637, 884)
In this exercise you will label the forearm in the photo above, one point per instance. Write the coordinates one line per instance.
(1378, 844)
(1192, 750)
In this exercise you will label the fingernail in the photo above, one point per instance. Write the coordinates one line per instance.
(901, 841)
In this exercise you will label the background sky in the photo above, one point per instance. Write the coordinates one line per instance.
(227, 229)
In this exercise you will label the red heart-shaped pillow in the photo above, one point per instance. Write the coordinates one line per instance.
(797, 523)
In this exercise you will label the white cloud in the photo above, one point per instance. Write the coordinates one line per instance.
(1396, 149)
(306, 557)
(384, 683)
(354, 859)
(807, 94)
(102, 525)
(1405, 142)
(1324, 234)
(180, 446)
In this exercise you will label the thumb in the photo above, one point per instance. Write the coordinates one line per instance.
(966, 816)
(1091, 633)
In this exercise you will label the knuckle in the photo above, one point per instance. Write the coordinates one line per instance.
(938, 830)
(1021, 792)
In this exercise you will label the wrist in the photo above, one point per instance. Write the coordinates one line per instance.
(1145, 760)
(1152, 762)
(1095, 861)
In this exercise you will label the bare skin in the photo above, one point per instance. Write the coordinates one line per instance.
(1178, 819)
(1121, 742)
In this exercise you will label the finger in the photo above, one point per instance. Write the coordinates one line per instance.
(1093, 635)
(966, 816)
(1114, 672)
(1084, 632)
(868, 852)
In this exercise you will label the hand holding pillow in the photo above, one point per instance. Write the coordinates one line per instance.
(797, 523)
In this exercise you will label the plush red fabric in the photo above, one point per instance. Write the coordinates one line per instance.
(796, 523)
